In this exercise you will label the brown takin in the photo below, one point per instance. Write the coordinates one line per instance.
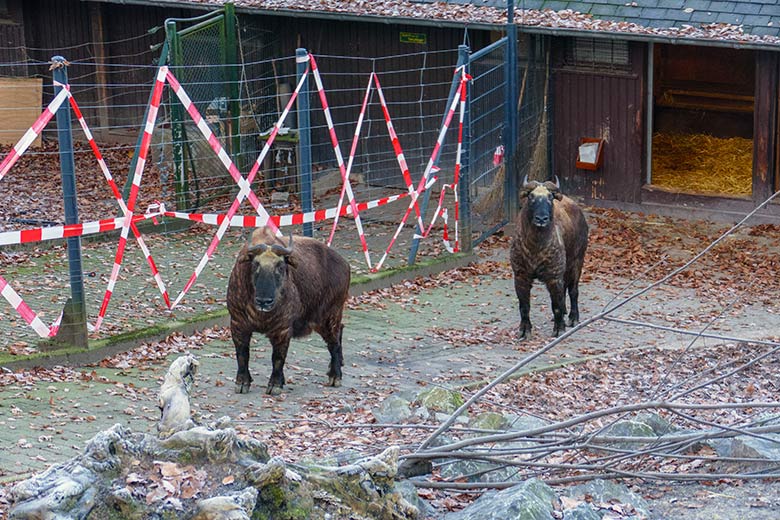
(286, 290)
(550, 240)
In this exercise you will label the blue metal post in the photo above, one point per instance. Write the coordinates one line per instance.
(510, 116)
(73, 329)
(464, 186)
(304, 139)
(463, 56)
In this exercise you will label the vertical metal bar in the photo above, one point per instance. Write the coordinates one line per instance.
(75, 314)
(304, 139)
(466, 241)
(233, 92)
(177, 122)
(510, 120)
(463, 52)
(649, 115)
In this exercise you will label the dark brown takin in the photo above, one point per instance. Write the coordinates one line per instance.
(286, 290)
(551, 236)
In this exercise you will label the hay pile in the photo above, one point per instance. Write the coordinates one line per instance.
(702, 163)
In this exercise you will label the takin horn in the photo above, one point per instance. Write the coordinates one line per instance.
(284, 251)
(258, 248)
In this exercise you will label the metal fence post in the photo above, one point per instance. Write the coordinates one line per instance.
(73, 328)
(177, 125)
(231, 74)
(463, 53)
(511, 116)
(304, 138)
(464, 187)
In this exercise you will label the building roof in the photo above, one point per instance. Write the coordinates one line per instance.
(755, 17)
(743, 22)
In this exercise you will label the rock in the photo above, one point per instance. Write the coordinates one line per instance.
(583, 511)
(629, 428)
(746, 446)
(437, 399)
(408, 490)
(521, 423)
(659, 425)
(238, 506)
(137, 476)
(489, 421)
(415, 468)
(608, 492)
(367, 487)
(477, 471)
(393, 410)
(529, 500)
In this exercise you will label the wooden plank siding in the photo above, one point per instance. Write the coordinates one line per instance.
(765, 141)
(608, 105)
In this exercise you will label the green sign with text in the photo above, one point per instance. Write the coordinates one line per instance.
(409, 37)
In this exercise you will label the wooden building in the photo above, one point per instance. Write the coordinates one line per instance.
(682, 94)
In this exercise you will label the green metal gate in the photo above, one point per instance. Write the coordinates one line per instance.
(202, 54)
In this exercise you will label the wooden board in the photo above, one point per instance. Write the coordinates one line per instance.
(20, 106)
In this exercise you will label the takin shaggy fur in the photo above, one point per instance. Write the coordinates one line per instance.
(550, 240)
(286, 290)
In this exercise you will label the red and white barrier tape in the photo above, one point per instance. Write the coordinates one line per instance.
(440, 210)
(339, 159)
(146, 139)
(399, 153)
(244, 184)
(120, 201)
(428, 169)
(32, 134)
(282, 220)
(345, 183)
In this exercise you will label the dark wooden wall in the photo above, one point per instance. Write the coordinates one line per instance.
(607, 105)
(766, 126)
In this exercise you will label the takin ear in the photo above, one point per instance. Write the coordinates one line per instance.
(554, 189)
(290, 261)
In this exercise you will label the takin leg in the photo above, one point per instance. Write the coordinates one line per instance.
(523, 291)
(241, 339)
(332, 336)
(572, 287)
(574, 311)
(278, 357)
(558, 300)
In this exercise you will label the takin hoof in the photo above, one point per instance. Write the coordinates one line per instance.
(334, 381)
(242, 388)
(525, 332)
(273, 390)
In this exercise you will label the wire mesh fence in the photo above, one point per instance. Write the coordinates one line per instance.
(407, 98)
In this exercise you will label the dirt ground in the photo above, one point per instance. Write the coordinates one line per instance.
(458, 330)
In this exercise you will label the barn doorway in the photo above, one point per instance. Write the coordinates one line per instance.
(702, 132)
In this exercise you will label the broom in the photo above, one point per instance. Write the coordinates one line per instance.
(538, 166)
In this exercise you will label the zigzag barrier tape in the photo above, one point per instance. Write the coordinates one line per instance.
(345, 181)
(423, 184)
(129, 220)
(339, 159)
(282, 220)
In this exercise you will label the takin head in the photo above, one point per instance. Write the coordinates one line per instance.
(538, 207)
(270, 265)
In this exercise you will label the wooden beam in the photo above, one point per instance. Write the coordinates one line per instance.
(765, 125)
(98, 41)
